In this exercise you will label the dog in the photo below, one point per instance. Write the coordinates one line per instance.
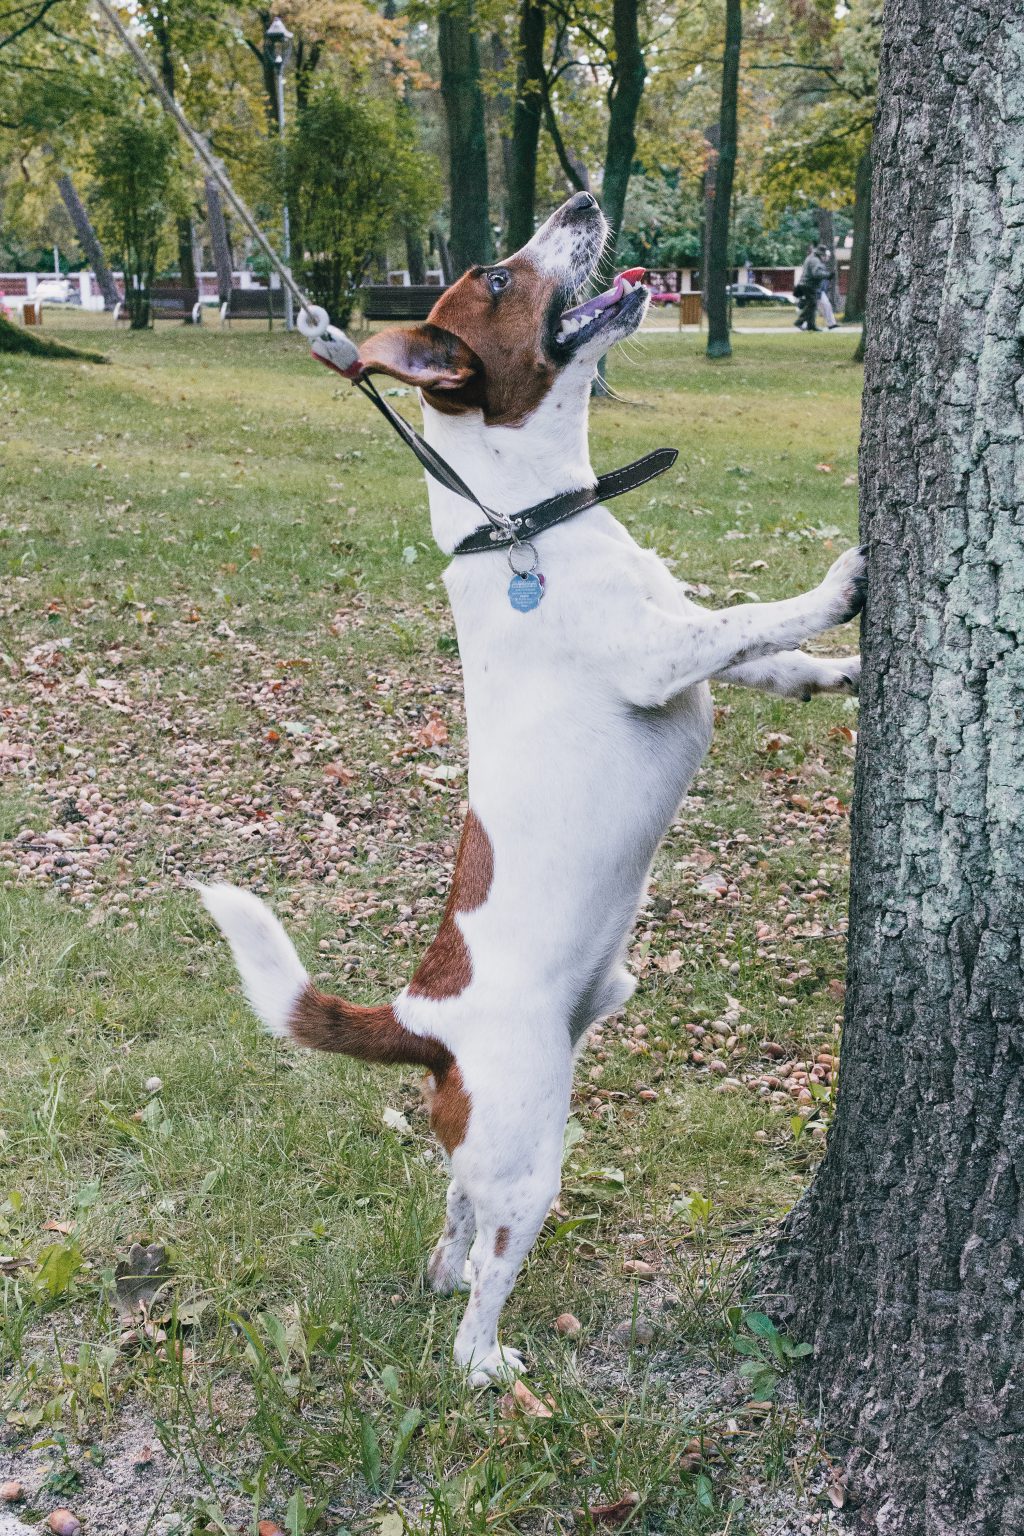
(587, 719)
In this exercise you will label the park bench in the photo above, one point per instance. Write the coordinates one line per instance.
(412, 302)
(168, 301)
(253, 304)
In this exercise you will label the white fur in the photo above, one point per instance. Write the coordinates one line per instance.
(587, 720)
(273, 976)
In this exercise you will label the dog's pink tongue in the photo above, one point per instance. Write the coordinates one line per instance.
(610, 296)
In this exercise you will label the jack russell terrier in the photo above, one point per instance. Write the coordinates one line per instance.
(588, 715)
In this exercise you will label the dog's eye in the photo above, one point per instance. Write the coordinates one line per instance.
(498, 280)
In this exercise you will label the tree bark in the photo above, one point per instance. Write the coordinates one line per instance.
(857, 291)
(630, 73)
(717, 276)
(218, 238)
(88, 240)
(573, 168)
(470, 239)
(904, 1262)
(526, 119)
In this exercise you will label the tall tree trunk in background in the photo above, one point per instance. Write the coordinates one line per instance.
(183, 224)
(623, 104)
(415, 254)
(526, 119)
(857, 290)
(88, 240)
(470, 240)
(218, 238)
(707, 190)
(904, 1262)
(573, 168)
(827, 237)
(717, 302)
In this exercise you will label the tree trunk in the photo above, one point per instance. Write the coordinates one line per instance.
(415, 254)
(623, 105)
(88, 240)
(573, 168)
(904, 1262)
(526, 118)
(857, 291)
(717, 276)
(218, 238)
(470, 240)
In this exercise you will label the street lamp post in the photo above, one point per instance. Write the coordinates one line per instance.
(278, 43)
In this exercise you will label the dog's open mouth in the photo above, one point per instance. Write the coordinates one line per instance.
(582, 323)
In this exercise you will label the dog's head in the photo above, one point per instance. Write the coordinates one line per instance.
(497, 341)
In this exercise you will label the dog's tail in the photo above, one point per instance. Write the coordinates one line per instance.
(282, 995)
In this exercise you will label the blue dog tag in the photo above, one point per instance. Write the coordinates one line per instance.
(525, 591)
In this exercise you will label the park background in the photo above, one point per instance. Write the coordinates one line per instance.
(224, 649)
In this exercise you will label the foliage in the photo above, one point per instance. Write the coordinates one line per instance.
(135, 160)
(353, 173)
(769, 1354)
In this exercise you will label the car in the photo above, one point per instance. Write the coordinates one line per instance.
(757, 293)
(53, 290)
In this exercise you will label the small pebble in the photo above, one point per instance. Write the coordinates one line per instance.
(63, 1523)
(640, 1331)
(153, 1084)
(11, 1493)
(568, 1326)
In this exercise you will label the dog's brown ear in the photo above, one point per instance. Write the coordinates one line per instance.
(424, 355)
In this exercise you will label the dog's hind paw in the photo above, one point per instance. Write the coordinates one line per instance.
(498, 1365)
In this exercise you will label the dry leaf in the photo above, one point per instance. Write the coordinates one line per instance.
(269, 1528)
(522, 1398)
(823, 469)
(640, 1268)
(617, 1513)
(63, 1227)
(432, 734)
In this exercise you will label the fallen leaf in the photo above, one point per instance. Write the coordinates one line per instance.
(138, 1279)
(617, 1513)
(640, 1268)
(396, 1121)
(823, 469)
(522, 1398)
(63, 1227)
(270, 1528)
(434, 733)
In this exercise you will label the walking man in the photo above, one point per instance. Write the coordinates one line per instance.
(828, 314)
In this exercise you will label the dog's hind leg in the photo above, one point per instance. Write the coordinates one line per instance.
(446, 1269)
(795, 675)
(507, 1224)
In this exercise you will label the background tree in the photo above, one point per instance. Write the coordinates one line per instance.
(527, 114)
(903, 1264)
(354, 176)
(458, 46)
(135, 160)
(716, 276)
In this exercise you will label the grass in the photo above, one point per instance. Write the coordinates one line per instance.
(222, 635)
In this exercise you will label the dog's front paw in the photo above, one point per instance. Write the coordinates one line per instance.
(847, 585)
(498, 1365)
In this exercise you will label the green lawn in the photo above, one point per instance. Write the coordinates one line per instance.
(225, 650)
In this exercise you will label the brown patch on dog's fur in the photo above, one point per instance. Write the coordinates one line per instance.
(326, 1023)
(447, 969)
(501, 1238)
(507, 333)
(450, 1107)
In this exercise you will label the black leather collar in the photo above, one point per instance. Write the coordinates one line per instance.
(525, 526)
(502, 531)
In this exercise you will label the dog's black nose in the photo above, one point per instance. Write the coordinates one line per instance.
(581, 202)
